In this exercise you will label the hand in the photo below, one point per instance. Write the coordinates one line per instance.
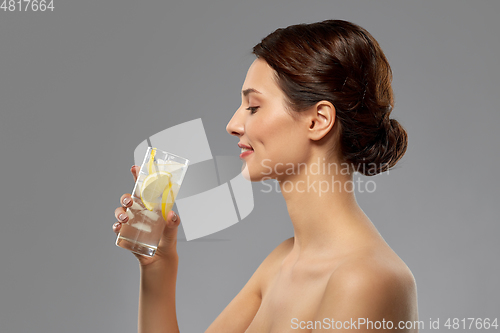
(168, 243)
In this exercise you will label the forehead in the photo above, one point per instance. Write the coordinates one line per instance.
(261, 76)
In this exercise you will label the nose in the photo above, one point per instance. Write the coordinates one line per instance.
(235, 126)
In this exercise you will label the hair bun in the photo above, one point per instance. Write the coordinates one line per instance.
(385, 151)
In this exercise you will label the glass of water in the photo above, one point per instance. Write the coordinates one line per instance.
(154, 193)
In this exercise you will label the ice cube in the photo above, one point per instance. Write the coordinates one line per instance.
(174, 168)
(141, 178)
(142, 226)
(136, 206)
(150, 215)
(130, 214)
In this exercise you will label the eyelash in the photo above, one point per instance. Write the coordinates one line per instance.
(252, 109)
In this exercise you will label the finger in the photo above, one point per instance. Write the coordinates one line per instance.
(116, 227)
(169, 237)
(173, 220)
(126, 200)
(135, 171)
(121, 214)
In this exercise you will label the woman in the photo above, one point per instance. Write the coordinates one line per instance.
(315, 108)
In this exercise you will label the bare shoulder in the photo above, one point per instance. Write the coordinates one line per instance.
(374, 271)
(272, 261)
(374, 284)
(270, 265)
(281, 250)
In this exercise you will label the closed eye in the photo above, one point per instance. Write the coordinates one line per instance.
(252, 109)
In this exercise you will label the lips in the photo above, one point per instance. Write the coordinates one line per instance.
(245, 150)
(246, 153)
(243, 146)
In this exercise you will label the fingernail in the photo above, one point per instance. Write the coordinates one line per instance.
(126, 201)
(116, 225)
(122, 216)
(174, 217)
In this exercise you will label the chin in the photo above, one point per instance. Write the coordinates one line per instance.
(253, 176)
(245, 172)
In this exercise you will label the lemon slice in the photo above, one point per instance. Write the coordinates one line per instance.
(153, 186)
(151, 168)
(167, 200)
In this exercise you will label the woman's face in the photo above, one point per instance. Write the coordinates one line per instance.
(277, 140)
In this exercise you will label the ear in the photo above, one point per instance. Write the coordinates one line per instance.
(321, 120)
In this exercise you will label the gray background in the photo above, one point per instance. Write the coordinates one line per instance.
(80, 87)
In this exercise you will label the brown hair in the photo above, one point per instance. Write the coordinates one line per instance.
(342, 63)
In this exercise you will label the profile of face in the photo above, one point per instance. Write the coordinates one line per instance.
(278, 138)
(318, 93)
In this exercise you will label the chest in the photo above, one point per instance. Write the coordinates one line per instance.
(292, 295)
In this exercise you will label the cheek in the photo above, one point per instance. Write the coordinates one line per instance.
(283, 144)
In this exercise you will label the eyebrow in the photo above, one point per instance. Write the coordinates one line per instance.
(250, 90)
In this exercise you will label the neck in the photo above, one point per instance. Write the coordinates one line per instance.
(323, 208)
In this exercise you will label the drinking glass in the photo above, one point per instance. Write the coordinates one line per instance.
(154, 193)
